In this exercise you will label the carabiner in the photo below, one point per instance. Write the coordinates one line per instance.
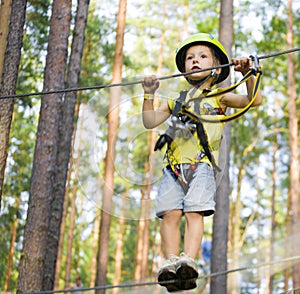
(255, 64)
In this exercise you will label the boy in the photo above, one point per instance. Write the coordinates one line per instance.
(188, 184)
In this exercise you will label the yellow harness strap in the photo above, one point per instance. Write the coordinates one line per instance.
(235, 115)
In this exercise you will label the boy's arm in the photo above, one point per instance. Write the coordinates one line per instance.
(153, 117)
(236, 100)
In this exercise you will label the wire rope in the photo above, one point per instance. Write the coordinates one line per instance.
(143, 284)
(58, 91)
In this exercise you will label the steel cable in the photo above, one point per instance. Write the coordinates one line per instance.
(57, 91)
(143, 284)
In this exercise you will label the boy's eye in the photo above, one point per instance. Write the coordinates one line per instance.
(189, 57)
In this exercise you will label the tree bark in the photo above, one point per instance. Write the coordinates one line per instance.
(9, 79)
(32, 261)
(113, 122)
(5, 8)
(66, 129)
(218, 284)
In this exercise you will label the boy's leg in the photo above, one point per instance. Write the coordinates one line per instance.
(193, 233)
(170, 232)
(187, 269)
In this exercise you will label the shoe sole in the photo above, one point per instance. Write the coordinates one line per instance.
(166, 276)
(187, 275)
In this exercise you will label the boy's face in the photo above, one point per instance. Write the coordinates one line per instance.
(198, 57)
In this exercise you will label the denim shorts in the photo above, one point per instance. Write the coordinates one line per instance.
(200, 196)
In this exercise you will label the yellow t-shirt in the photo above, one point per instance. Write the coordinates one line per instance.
(183, 150)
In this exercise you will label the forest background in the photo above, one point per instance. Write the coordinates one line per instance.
(261, 204)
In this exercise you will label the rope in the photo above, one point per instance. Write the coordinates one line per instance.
(142, 284)
(136, 82)
(108, 85)
(279, 53)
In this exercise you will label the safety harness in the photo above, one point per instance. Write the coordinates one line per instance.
(185, 172)
(184, 117)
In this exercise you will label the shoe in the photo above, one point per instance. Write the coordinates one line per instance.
(167, 274)
(187, 272)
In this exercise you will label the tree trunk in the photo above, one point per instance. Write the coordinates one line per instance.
(45, 156)
(9, 78)
(66, 204)
(65, 138)
(113, 123)
(5, 8)
(218, 284)
(293, 140)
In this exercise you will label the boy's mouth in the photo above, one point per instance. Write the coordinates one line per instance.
(196, 68)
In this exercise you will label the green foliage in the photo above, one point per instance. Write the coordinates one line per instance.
(37, 23)
(98, 52)
(206, 17)
(128, 251)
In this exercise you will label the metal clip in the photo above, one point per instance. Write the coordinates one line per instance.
(255, 64)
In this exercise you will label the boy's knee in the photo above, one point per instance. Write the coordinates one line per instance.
(193, 215)
(173, 216)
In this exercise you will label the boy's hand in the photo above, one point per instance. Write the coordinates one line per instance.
(150, 84)
(242, 64)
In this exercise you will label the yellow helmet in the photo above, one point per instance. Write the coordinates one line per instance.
(209, 41)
